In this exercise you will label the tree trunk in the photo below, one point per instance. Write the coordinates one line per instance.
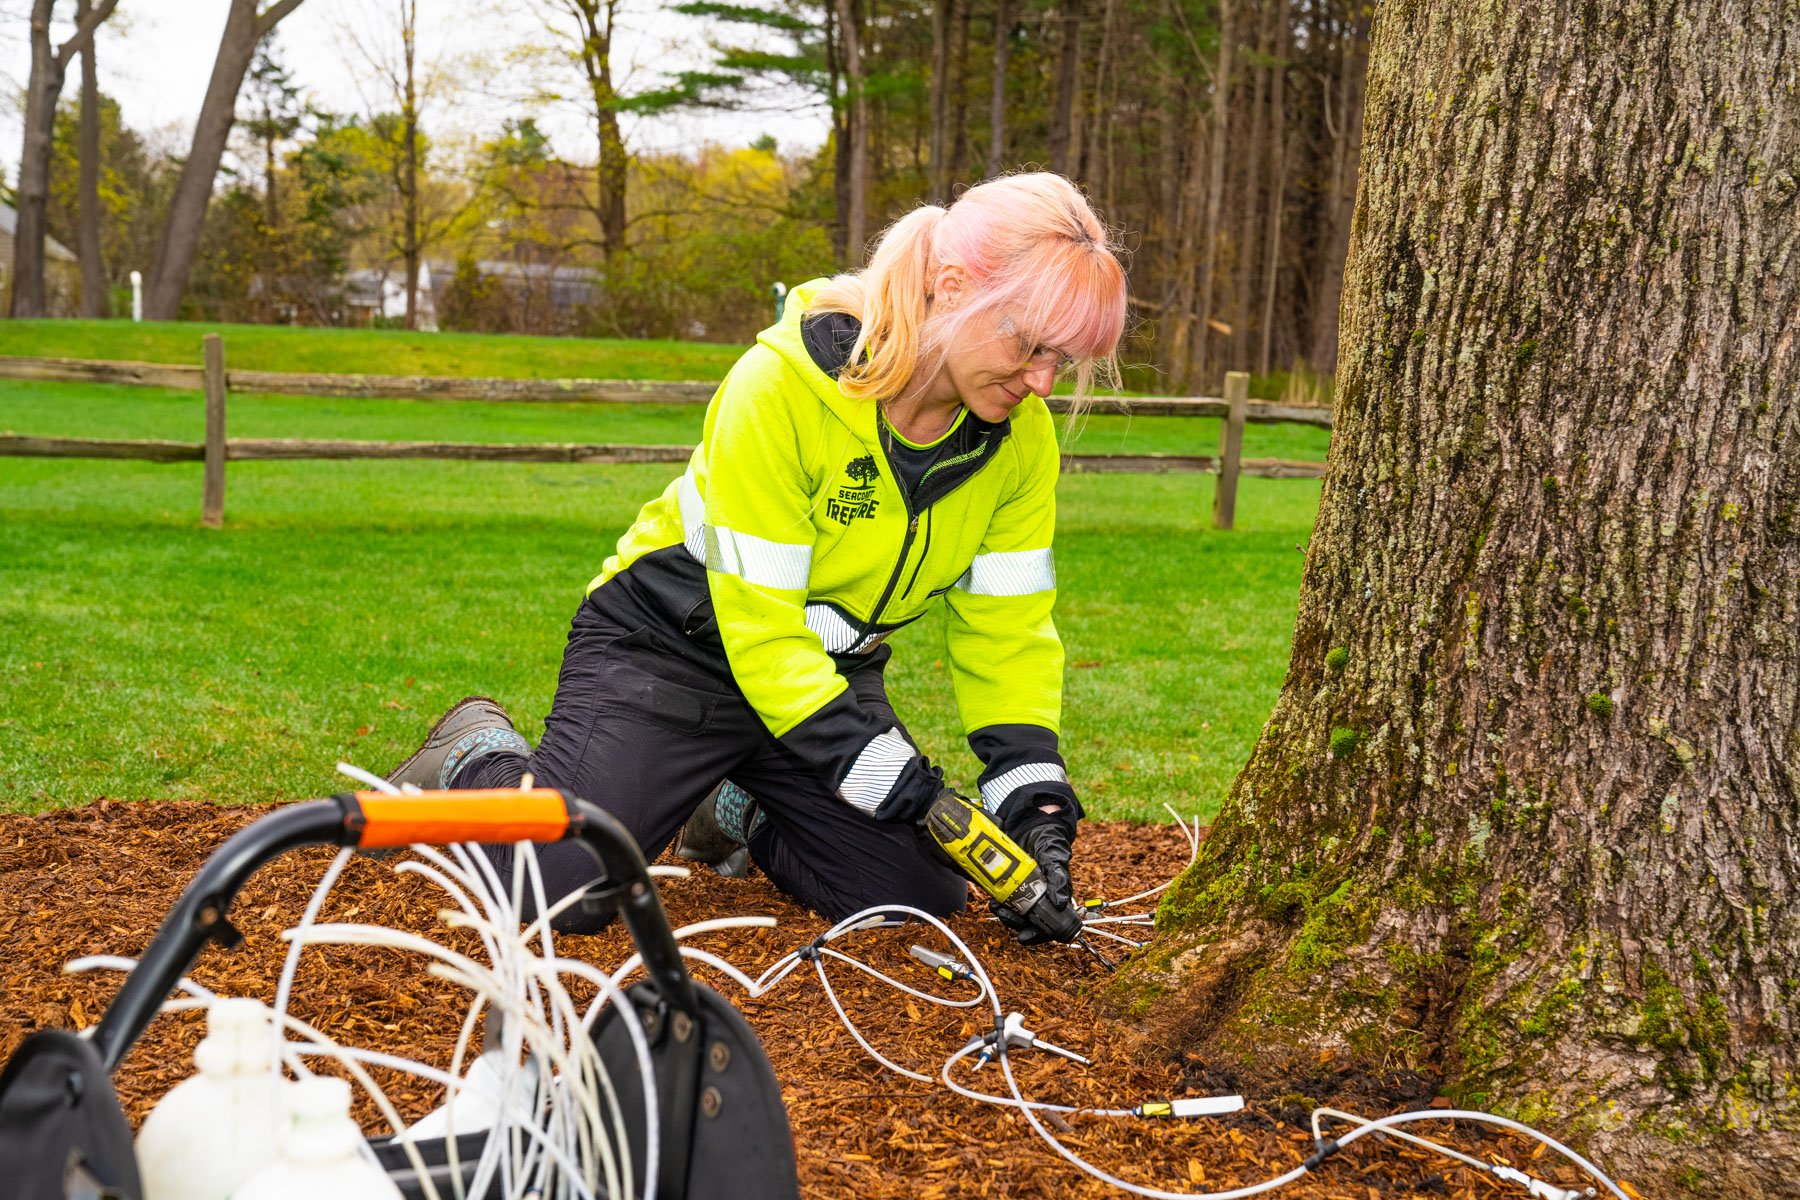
(938, 180)
(1277, 183)
(94, 299)
(1198, 365)
(1250, 210)
(595, 24)
(1181, 311)
(43, 86)
(840, 139)
(409, 116)
(244, 28)
(856, 218)
(1068, 76)
(1096, 165)
(961, 11)
(1344, 119)
(271, 201)
(1003, 25)
(1527, 812)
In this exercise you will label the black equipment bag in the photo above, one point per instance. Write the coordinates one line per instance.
(63, 1135)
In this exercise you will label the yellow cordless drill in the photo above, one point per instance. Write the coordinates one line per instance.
(977, 846)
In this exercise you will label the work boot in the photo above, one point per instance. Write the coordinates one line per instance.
(718, 831)
(474, 726)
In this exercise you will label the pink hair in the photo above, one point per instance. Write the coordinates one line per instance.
(1033, 250)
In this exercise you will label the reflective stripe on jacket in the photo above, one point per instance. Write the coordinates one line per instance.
(813, 554)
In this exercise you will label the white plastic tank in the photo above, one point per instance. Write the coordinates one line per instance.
(216, 1128)
(320, 1152)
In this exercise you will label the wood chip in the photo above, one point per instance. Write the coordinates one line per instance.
(113, 870)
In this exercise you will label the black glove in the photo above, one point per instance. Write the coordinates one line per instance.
(1056, 917)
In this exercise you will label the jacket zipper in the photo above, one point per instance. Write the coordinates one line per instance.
(923, 554)
(912, 527)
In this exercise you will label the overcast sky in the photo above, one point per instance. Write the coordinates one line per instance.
(155, 57)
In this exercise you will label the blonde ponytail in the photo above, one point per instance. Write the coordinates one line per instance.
(889, 297)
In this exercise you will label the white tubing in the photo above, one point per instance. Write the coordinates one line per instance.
(118, 962)
(1193, 841)
(291, 964)
(1383, 1124)
(866, 969)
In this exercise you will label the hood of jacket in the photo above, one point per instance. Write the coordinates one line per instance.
(833, 339)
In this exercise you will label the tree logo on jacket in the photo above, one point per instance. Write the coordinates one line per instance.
(857, 498)
(863, 471)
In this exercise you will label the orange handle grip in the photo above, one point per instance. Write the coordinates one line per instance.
(496, 815)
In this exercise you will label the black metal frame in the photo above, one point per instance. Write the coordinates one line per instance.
(202, 913)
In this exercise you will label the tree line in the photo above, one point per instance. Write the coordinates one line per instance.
(1219, 137)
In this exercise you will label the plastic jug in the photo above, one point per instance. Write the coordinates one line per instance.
(321, 1155)
(216, 1128)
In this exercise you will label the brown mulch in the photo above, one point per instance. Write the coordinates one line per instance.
(99, 879)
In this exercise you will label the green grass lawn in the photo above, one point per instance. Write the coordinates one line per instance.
(346, 604)
(371, 351)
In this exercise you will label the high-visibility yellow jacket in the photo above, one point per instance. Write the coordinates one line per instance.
(791, 540)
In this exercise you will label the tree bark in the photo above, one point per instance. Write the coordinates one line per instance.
(1068, 76)
(1527, 812)
(94, 298)
(856, 219)
(1003, 27)
(244, 28)
(44, 84)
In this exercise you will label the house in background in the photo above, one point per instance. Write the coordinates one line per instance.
(62, 271)
(517, 297)
(376, 292)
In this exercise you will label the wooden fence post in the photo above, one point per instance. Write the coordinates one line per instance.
(1231, 448)
(212, 504)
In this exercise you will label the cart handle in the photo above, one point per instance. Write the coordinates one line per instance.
(373, 820)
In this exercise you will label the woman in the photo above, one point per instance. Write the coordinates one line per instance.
(884, 445)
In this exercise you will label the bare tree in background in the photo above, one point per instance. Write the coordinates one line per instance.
(94, 300)
(1343, 101)
(961, 12)
(590, 47)
(937, 154)
(1068, 79)
(856, 218)
(246, 24)
(49, 67)
(395, 63)
(275, 116)
(1003, 30)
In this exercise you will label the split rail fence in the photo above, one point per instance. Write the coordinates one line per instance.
(216, 382)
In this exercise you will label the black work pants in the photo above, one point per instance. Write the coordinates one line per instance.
(647, 733)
